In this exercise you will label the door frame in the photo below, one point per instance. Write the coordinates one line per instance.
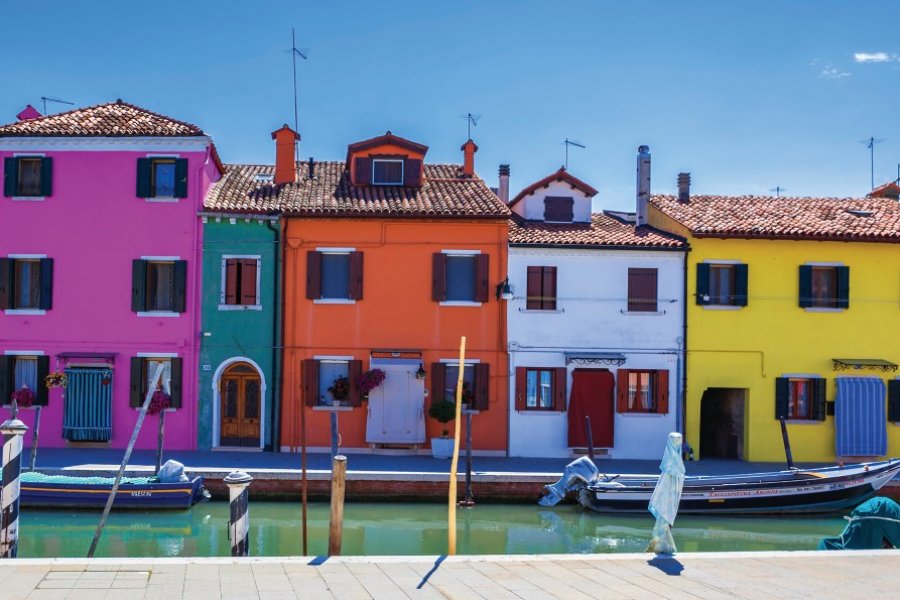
(217, 400)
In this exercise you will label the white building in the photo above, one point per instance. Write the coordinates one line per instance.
(596, 324)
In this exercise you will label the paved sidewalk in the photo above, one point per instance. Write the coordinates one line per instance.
(843, 575)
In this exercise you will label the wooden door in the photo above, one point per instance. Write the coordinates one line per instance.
(241, 397)
(397, 407)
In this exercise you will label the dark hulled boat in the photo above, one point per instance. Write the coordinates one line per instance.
(65, 491)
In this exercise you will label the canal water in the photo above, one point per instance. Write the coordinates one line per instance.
(403, 529)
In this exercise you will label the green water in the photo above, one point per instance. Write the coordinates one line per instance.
(408, 529)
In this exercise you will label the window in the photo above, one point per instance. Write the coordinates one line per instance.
(722, 284)
(18, 371)
(460, 277)
(800, 398)
(26, 283)
(143, 372)
(824, 286)
(158, 285)
(27, 176)
(476, 383)
(240, 281)
(894, 400)
(162, 177)
(558, 209)
(334, 275)
(539, 388)
(334, 382)
(331, 382)
(642, 391)
(642, 290)
(541, 288)
(387, 172)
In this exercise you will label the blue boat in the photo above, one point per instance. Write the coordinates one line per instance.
(67, 491)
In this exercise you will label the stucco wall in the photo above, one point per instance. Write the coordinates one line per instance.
(531, 207)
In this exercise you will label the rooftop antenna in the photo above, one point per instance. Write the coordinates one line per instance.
(568, 143)
(778, 189)
(46, 99)
(471, 121)
(870, 144)
(295, 52)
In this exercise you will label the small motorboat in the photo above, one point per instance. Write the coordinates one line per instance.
(779, 492)
(67, 491)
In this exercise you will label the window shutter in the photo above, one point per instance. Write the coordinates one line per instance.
(354, 370)
(482, 386)
(180, 300)
(175, 385)
(412, 172)
(642, 290)
(248, 282)
(560, 376)
(559, 208)
(356, 275)
(521, 386)
(782, 397)
(703, 283)
(313, 275)
(47, 176)
(806, 299)
(6, 380)
(363, 167)
(43, 369)
(548, 290)
(439, 277)
(662, 392)
(310, 375)
(46, 284)
(818, 407)
(894, 400)
(438, 376)
(10, 176)
(6, 272)
(138, 285)
(143, 178)
(740, 285)
(535, 288)
(843, 287)
(622, 390)
(231, 268)
(137, 380)
(482, 277)
(181, 177)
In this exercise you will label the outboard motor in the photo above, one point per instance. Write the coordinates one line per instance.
(578, 473)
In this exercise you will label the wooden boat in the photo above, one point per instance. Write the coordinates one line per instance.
(65, 491)
(780, 492)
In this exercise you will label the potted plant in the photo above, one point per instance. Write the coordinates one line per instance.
(339, 390)
(23, 397)
(442, 411)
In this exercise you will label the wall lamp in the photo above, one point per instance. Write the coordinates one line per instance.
(504, 291)
(420, 373)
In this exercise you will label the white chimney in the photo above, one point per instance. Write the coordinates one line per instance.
(643, 184)
(503, 193)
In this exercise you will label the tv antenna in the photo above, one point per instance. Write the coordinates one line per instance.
(568, 143)
(778, 189)
(295, 52)
(471, 121)
(870, 144)
(46, 99)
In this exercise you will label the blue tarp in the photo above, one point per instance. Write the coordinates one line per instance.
(859, 417)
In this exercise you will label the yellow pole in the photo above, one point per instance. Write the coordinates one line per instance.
(454, 461)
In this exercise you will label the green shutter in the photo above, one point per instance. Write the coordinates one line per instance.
(818, 386)
(894, 400)
(180, 300)
(805, 296)
(702, 283)
(10, 176)
(143, 178)
(47, 176)
(6, 383)
(740, 285)
(138, 285)
(175, 385)
(843, 287)
(6, 272)
(46, 299)
(136, 396)
(181, 177)
(43, 369)
(782, 397)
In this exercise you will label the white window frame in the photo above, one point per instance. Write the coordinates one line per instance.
(824, 309)
(725, 261)
(394, 160)
(28, 155)
(229, 307)
(159, 313)
(346, 251)
(471, 303)
(810, 377)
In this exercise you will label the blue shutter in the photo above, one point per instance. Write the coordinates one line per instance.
(47, 176)
(740, 285)
(818, 388)
(843, 287)
(43, 369)
(46, 299)
(702, 283)
(175, 384)
(136, 385)
(6, 272)
(181, 177)
(894, 400)
(806, 299)
(10, 176)
(782, 397)
(138, 285)
(179, 303)
(6, 379)
(143, 178)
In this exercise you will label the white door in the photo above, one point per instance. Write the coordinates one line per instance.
(397, 406)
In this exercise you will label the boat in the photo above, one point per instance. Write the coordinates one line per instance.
(67, 491)
(791, 491)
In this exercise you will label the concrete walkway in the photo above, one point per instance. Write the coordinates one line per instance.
(843, 575)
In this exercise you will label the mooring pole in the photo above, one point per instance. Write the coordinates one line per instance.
(470, 500)
(787, 444)
(334, 434)
(34, 437)
(303, 480)
(338, 485)
(238, 484)
(13, 431)
(159, 439)
(454, 462)
(590, 436)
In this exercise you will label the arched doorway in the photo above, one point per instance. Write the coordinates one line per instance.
(240, 399)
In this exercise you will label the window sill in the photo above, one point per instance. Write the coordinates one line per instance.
(163, 199)
(332, 408)
(29, 198)
(803, 422)
(539, 411)
(823, 309)
(230, 307)
(643, 313)
(642, 415)
(158, 313)
(541, 311)
(720, 307)
(460, 303)
(25, 311)
(334, 301)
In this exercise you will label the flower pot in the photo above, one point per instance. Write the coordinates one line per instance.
(442, 447)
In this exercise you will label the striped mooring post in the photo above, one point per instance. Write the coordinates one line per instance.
(13, 431)
(238, 483)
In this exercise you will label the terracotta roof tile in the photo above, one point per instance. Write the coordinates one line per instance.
(115, 119)
(445, 193)
(847, 219)
(604, 230)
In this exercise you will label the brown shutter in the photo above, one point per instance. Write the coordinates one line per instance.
(137, 381)
(438, 376)
(231, 267)
(622, 390)
(521, 386)
(363, 170)
(176, 383)
(439, 277)
(354, 370)
(560, 375)
(310, 375)
(482, 277)
(356, 275)
(535, 289)
(412, 172)
(248, 281)
(548, 290)
(662, 392)
(482, 386)
(642, 290)
(313, 275)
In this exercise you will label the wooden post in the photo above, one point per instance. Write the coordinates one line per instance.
(34, 438)
(590, 436)
(454, 462)
(470, 499)
(338, 485)
(334, 433)
(159, 439)
(787, 444)
(303, 480)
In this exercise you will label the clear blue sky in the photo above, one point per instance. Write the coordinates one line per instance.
(746, 96)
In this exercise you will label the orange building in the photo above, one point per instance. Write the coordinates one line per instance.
(388, 262)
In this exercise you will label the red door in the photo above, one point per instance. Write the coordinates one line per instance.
(592, 396)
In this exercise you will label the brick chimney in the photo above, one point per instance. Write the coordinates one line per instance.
(503, 192)
(684, 188)
(469, 149)
(643, 184)
(285, 164)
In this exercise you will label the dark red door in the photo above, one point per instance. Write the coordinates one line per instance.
(592, 396)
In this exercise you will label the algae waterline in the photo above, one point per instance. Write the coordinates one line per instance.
(402, 529)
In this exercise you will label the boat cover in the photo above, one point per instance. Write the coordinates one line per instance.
(859, 417)
(37, 477)
(666, 496)
(871, 523)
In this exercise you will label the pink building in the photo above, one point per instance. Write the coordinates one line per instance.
(100, 269)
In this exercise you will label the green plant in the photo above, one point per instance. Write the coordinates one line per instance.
(442, 411)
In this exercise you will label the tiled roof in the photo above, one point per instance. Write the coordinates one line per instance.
(847, 219)
(560, 175)
(888, 190)
(603, 231)
(444, 193)
(115, 119)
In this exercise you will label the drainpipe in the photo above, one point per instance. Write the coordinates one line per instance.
(684, 351)
(277, 334)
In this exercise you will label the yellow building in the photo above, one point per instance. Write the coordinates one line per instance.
(793, 309)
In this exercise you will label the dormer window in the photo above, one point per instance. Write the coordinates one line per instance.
(387, 171)
(559, 209)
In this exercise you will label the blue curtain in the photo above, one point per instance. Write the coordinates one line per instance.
(87, 415)
(859, 417)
